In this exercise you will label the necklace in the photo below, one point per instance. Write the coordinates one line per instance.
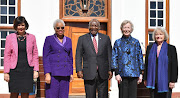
(24, 37)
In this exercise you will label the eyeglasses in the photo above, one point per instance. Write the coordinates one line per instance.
(62, 28)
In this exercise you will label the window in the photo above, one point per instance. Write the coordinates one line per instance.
(157, 15)
(3, 35)
(84, 8)
(9, 9)
(150, 37)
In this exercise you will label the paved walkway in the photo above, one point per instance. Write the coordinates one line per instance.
(82, 96)
(77, 96)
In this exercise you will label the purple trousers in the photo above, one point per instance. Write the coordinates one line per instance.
(58, 88)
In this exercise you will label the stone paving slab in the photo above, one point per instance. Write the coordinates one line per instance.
(77, 96)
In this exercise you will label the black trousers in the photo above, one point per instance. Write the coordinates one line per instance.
(100, 84)
(154, 93)
(128, 88)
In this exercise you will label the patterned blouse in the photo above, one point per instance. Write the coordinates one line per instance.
(127, 58)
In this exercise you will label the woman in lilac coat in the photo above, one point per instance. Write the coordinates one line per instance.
(58, 62)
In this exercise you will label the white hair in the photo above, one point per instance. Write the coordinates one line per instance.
(163, 31)
(126, 22)
(58, 21)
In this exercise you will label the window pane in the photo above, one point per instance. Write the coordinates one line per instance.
(11, 2)
(79, 6)
(160, 5)
(4, 19)
(71, 1)
(160, 14)
(152, 5)
(98, 3)
(2, 62)
(2, 53)
(160, 22)
(4, 2)
(74, 7)
(150, 37)
(95, 8)
(3, 34)
(76, 14)
(153, 14)
(3, 10)
(11, 19)
(102, 12)
(2, 43)
(11, 32)
(93, 14)
(152, 22)
(11, 10)
(84, 1)
(151, 43)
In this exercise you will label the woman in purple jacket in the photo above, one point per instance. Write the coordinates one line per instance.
(58, 62)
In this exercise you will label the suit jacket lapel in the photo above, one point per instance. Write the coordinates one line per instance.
(65, 45)
(90, 42)
(15, 45)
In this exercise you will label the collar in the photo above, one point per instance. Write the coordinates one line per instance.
(56, 36)
(24, 34)
(127, 38)
(92, 35)
(64, 38)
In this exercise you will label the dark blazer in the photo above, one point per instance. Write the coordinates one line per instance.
(85, 53)
(57, 59)
(172, 63)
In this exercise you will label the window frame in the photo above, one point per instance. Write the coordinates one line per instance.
(7, 14)
(18, 9)
(4, 39)
(166, 25)
(83, 19)
(156, 9)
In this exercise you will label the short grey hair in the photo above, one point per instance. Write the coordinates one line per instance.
(98, 23)
(126, 22)
(58, 21)
(166, 36)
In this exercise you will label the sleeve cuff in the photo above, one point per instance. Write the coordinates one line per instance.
(116, 72)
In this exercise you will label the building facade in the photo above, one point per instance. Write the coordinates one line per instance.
(40, 14)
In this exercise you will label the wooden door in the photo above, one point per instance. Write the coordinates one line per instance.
(77, 14)
(74, 31)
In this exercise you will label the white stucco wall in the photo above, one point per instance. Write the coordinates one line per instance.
(133, 10)
(3, 85)
(127, 9)
(41, 13)
(174, 33)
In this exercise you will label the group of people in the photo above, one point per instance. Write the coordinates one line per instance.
(95, 62)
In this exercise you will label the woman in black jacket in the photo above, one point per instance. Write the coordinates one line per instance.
(161, 66)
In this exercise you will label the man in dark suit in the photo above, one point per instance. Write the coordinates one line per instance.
(94, 50)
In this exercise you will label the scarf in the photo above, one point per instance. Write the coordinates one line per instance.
(162, 80)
